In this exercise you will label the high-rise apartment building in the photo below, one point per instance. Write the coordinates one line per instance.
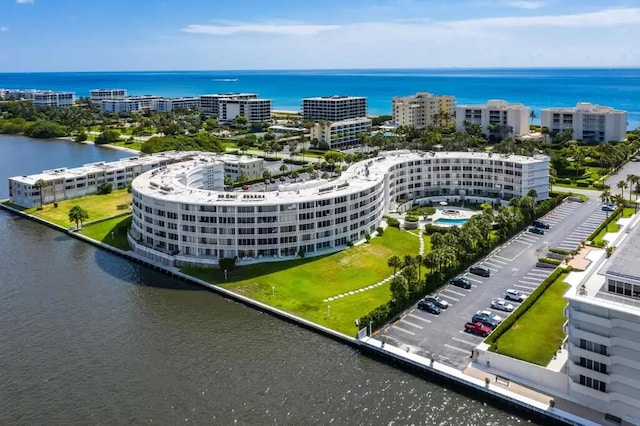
(589, 122)
(334, 108)
(423, 110)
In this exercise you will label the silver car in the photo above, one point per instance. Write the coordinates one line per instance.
(496, 318)
(501, 305)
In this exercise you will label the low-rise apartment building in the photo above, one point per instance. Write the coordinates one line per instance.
(423, 110)
(46, 98)
(497, 118)
(170, 104)
(340, 134)
(96, 96)
(603, 335)
(235, 166)
(334, 108)
(589, 122)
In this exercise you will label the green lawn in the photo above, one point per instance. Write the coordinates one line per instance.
(112, 232)
(538, 335)
(300, 286)
(98, 207)
(137, 145)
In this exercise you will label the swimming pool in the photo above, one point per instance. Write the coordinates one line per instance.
(447, 221)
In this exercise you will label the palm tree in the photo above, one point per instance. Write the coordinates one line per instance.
(533, 116)
(622, 185)
(399, 288)
(409, 260)
(632, 181)
(605, 196)
(78, 215)
(418, 260)
(283, 168)
(40, 185)
(395, 263)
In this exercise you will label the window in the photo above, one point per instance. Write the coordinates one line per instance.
(593, 365)
(593, 347)
(593, 383)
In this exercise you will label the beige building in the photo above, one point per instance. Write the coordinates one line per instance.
(423, 110)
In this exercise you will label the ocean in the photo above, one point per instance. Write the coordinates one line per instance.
(535, 87)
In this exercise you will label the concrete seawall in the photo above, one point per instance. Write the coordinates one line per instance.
(415, 364)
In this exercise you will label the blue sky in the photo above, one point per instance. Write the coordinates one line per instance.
(74, 35)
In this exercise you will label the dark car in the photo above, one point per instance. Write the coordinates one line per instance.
(437, 300)
(429, 307)
(460, 282)
(477, 328)
(483, 271)
(485, 319)
(535, 230)
(541, 224)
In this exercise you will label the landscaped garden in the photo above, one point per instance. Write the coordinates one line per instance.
(111, 231)
(538, 334)
(300, 286)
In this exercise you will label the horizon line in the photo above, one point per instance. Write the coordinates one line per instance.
(601, 67)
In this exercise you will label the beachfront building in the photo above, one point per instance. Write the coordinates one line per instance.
(497, 118)
(334, 108)
(96, 96)
(340, 134)
(256, 110)
(48, 98)
(603, 335)
(423, 110)
(170, 104)
(182, 216)
(589, 122)
(210, 104)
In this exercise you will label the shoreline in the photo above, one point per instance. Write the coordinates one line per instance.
(120, 148)
(366, 345)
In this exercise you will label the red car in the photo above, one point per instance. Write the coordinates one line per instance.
(477, 328)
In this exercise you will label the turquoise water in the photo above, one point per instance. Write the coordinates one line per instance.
(448, 221)
(537, 88)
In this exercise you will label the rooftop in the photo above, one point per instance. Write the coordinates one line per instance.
(333, 98)
(585, 107)
(624, 261)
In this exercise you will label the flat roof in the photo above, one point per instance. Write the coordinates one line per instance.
(624, 262)
(333, 98)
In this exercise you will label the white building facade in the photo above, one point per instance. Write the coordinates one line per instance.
(96, 96)
(181, 217)
(496, 117)
(170, 104)
(334, 108)
(210, 104)
(603, 331)
(589, 122)
(46, 98)
(423, 110)
(256, 110)
(340, 134)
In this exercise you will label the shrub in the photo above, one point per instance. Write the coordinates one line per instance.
(105, 188)
(380, 231)
(411, 219)
(108, 136)
(81, 137)
(549, 261)
(562, 251)
(391, 221)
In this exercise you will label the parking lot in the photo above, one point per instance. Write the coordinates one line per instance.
(512, 267)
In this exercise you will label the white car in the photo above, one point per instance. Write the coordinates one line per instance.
(514, 295)
(496, 318)
(501, 305)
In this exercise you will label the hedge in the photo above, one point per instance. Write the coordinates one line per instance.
(615, 215)
(549, 261)
(522, 309)
(562, 251)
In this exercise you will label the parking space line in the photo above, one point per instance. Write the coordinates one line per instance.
(475, 280)
(542, 271)
(524, 286)
(537, 274)
(528, 282)
(449, 297)
(498, 261)
(464, 341)
(489, 268)
(502, 257)
(411, 324)
(493, 264)
(455, 292)
(402, 329)
(456, 348)
(419, 318)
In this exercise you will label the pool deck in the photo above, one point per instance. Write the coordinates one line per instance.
(443, 212)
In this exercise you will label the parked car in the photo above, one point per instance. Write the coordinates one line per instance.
(535, 230)
(491, 315)
(501, 305)
(460, 282)
(608, 208)
(437, 300)
(514, 295)
(429, 307)
(485, 319)
(477, 328)
(483, 271)
(541, 224)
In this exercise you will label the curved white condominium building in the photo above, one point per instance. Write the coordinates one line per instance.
(183, 216)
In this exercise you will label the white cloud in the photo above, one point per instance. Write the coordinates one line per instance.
(4, 29)
(525, 4)
(257, 28)
(24, 1)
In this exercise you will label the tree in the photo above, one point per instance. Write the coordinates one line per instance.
(227, 264)
(105, 188)
(284, 168)
(418, 262)
(533, 193)
(395, 263)
(78, 215)
(399, 288)
(533, 116)
(108, 136)
(266, 174)
(622, 185)
(40, 185)
(228, 181)
(302, 252)
(240, 121)
(632, 181)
